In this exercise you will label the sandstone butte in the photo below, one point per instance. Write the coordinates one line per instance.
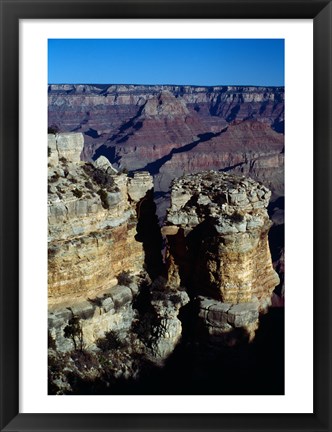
(91, 221)
(217, 233)
(217, 229)
(217, 251)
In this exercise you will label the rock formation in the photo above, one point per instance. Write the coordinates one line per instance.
(171, 130)
(111, 310)
(217, 234)
(94, 239)
(113, 304)
(91, 228)
(250, 147)
(164, 327)
(92, 222)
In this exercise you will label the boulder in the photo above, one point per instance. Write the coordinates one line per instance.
(70, 146)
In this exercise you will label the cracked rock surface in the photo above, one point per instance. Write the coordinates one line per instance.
(92, 221)
(217, 234)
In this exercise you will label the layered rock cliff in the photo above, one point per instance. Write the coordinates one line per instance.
(91, 241)
(114, 306)
(217, 234)
(99, 246)
(171, 130)
(92, 221)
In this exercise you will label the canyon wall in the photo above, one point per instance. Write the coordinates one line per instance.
(110, 292)
(101, 227)
(171, 130)
(108, 320)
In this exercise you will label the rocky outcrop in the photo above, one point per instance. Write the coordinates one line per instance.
(110, 311)
(65, 145)
(108, 320)
(99, 229)
(165, 329)
(91, 222)
(109, 304)
(138, 185)
(223, 223)
(226, 323)
(217, 234)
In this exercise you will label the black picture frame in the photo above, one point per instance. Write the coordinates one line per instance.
(11, 11)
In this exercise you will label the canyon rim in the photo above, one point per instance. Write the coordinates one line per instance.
(165, 239)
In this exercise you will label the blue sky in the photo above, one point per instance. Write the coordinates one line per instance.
(166, 61)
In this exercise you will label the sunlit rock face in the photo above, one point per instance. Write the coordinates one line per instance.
(101, 223)
(217, 234)
(222, 223)
(111, 310)
(170, 130)
(101, 226)
(91, 222)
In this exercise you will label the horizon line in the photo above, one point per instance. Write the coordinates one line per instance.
(170, 85)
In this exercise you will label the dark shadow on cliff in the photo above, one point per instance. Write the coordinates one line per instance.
(277, 203)
(128, 128)
(130, 123)
(125, 130)
(148, 232)
(92, 133)
(216, 105)
(233, 114)
(255, 368)
(108, 152)
(154, 167)
(202, 369)
(276, 241)
(189, 253)
(279, 126)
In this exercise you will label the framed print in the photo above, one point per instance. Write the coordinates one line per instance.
(173, 295)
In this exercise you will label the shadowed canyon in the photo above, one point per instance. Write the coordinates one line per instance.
(165, 239)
